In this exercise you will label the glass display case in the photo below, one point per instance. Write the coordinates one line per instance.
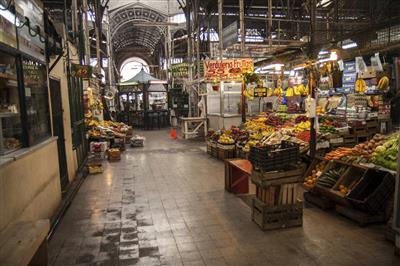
(36, 101)
(224, 104)
(10, 118)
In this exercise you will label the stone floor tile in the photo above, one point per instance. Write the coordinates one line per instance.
(165, 204)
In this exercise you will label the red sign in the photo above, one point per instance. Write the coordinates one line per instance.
(227, 70)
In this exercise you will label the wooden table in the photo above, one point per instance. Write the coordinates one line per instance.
(237, 174)
(197, 121)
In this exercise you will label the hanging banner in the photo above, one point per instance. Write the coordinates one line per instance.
(81, 71)
(227, 70)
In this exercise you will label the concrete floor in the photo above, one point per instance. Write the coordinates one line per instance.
(165, 204)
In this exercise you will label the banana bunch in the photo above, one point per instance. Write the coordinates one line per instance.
(304, 91)
(256, 124)
(267, 131)
(270, 92)
(278, 91)
(249, 144)
(256, 136)
(289, 92)
(249, 93)
(383, 83)
(297, 90)
(302, 126)
(360, 86)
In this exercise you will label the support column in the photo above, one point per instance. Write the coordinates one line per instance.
(242, 28)
(220, 28)
(270, 23)
(190, 54)
(242, 52)
(313, 133)
(85, 20)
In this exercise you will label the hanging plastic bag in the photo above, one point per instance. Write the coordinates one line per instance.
(376, 62)
(360, 64)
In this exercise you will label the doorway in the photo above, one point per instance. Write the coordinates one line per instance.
(58, 130)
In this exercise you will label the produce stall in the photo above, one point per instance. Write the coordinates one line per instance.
(225, 86)
(358, 182)
(106, 139)
(144, 102)
(347, 105)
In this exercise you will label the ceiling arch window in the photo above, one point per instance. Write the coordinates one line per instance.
(132, 66)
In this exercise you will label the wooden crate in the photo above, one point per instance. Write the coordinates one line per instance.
(349, 179)
(319, 201)
(294, 174)
(362, 137)
(372, 123)
(209, 147)
(360, 217)
(95, 168)
(113, 155)
(278, 217)
(280, 194)
(224, 154)
(324, 191)
(214, 150)
(237, 173)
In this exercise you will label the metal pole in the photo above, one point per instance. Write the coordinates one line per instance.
(313, 133)
(86, 31)
(270, 23)
(242, 29)
(190, 54)
(220, 28)
(109, 52)
(98, 37)
(242, 52)
(197, 53)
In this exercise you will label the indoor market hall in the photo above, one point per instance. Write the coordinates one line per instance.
(199, 132)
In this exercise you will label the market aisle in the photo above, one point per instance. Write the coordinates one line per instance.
(165, 205)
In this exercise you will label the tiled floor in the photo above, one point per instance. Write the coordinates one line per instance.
(165, 205)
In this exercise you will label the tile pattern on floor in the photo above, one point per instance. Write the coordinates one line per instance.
(165, 204)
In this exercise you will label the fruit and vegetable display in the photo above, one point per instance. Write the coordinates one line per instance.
(226, 139)
(311, 180)
(106, 129)
(266, 129)
(330, 177)
(386, 154)
(360, 153)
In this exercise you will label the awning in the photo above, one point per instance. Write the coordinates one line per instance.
(156, 88)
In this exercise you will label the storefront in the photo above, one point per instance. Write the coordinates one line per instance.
(348, 103)
(29, 166)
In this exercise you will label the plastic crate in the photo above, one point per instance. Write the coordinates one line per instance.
(274, 157)
(373, 190)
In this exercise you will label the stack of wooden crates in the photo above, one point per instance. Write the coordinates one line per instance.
(278, 202)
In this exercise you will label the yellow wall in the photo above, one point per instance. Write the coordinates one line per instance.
(59, 73)
(30, 185)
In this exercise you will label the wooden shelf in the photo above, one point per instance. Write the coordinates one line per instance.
(8, 114)
(8, 76)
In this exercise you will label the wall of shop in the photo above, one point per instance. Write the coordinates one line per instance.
(30, 184)
(58, 72)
